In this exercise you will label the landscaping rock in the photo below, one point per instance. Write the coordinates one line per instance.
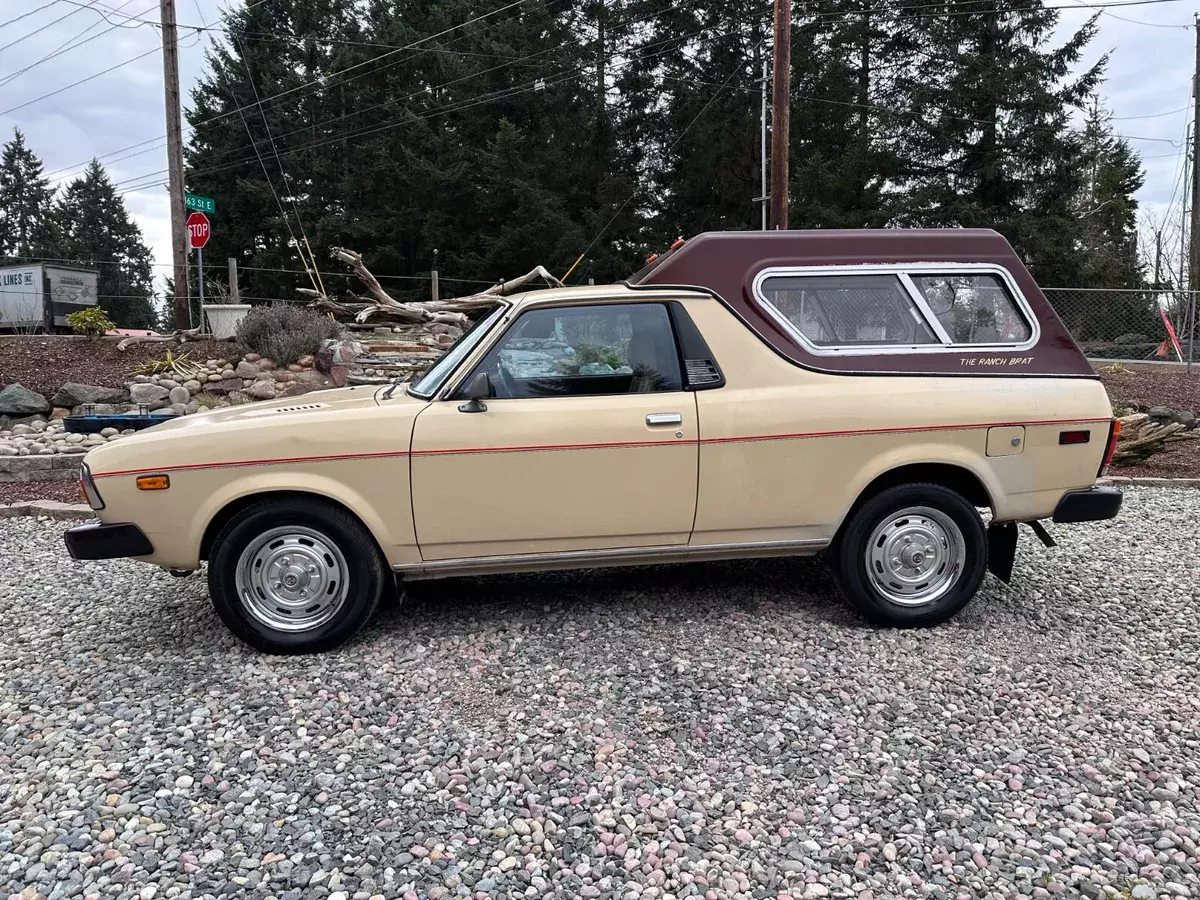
(323, 361)
(148, 393)
(246, 370)
(224, 386)
(73, 394)
(16, 400)
(179, 395)
(261, 390)
(193, 386)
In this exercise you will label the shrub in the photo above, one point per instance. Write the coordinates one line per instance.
(92, 321)
(285, 333)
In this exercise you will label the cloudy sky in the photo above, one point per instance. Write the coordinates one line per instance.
(118, 115)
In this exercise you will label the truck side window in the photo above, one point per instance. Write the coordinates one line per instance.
(974, 309)
(579, 351)
(845, 310)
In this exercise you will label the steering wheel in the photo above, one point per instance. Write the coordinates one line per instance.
(508, 386)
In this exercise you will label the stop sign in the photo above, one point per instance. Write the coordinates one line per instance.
(198, 230)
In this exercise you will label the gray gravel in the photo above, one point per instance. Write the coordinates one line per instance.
(718, 731)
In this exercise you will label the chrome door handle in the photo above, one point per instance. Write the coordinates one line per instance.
(664, 419)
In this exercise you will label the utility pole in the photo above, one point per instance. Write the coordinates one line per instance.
(179, 245)
(1183, 224)
(764, 198)
(781, 86)
(1193, 246)
(1157, 259)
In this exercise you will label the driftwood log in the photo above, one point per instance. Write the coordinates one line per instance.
(1142, 437)
(175, 337)
(384, 305)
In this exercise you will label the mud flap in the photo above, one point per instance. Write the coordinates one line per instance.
(1002, 549)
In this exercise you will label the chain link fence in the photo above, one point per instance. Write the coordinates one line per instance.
(1131, 325)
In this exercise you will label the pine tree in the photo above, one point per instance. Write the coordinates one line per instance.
(95, 230)
(988, 141)
(25, 203)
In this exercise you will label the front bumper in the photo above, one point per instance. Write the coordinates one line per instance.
(1091, 505)
(96, 540)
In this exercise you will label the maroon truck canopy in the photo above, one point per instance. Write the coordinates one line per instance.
(726, 264)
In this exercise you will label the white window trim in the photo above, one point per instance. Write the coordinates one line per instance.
(904, 273)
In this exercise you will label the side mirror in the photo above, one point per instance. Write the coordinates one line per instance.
(479, 390)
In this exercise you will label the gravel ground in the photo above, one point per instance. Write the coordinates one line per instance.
(719, 730)
(65, 491)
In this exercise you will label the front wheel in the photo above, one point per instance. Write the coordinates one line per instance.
(295, 575)
(912, 555)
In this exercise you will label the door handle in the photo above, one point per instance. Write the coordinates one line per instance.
(664, 419)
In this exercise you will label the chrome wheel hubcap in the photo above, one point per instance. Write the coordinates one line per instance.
(292, 578)
(915, 556)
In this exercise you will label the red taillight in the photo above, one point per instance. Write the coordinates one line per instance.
(1114, 432)
(1074, 437)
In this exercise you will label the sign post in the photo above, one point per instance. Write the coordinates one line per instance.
(199, 230)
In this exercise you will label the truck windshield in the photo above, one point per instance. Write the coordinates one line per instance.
(429, 383)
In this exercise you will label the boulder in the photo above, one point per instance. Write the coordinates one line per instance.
(59, 412)
(252, 357)
(16, 400)
(245, 369)
(293, 389)
(73, 394)
(179, 395)
(179, 409)
(225, 386)
(266, 364)
(306, 361)
(148, 393)
(344, 350)
(261, 390)
(192, 385)
(323, 361)
(340, 375)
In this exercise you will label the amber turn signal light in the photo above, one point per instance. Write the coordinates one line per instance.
(153, 482)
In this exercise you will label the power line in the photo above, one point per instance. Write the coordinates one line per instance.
(452, 107)
(26, 15)
(119, 65)
(42, 28)
(323, 78)
(63, 48)
(831, 17)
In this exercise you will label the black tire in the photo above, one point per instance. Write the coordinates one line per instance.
(363, 582)
(849, 557)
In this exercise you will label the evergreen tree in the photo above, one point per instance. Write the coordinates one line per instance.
(988, 138)
(25, 202)
(95, 230)
(1106, 208)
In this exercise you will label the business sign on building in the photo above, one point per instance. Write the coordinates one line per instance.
(41, 296)
(22, 298)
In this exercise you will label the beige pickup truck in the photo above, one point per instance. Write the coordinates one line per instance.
(751, 394)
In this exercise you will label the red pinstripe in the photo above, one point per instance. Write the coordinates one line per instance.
(910, 429)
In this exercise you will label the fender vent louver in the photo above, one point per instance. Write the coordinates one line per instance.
(301, 407)
(701, 372)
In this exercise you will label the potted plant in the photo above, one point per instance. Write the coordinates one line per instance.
(223, 312)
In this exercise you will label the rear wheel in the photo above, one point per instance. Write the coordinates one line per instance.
(912, 555)
(295, 575)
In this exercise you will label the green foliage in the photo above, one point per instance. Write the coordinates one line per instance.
(591, 353)
(94, 229)
(26, 222)
(285, 333)
(92, 321)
